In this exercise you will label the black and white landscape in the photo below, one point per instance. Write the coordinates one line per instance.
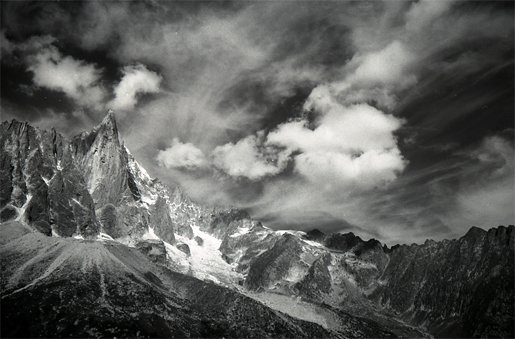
(257, 169)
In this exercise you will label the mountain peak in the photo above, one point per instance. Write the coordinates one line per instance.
(474, 232)
(109, 122)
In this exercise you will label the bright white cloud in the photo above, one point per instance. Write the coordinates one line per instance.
(351, 146)
(182, 155)
(385, 67)
(374, 76)
(370, 169)
(247, 159)
(136, 79)
(75, 78)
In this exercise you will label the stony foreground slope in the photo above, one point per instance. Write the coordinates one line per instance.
(63, 287)
(86, 227)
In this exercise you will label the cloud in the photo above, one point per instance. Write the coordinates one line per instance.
(497, 152)
(77, 79)
(386, 67)
(181, 155)
(486, 197)
(6, 47)
(423, 13)
(321, 104)
(350, 146)
(136, 79)
(248, 158)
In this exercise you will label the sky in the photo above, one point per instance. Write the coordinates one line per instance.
(393, 120)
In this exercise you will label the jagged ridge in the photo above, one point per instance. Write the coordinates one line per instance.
(92, 187)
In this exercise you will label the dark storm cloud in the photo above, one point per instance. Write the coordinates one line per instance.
(214, 87)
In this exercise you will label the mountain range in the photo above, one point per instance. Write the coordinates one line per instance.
(92, 246)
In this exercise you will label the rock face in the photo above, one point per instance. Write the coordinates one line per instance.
(136, 231)
(318, 280)
(87, 184)
(457, 288)
(274, 265)
(155, 250)
(41, 183)
(103, 161)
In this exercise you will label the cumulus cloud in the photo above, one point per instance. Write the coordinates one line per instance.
(351, 146)
(77, 79)
(182, 155)
(249, 158)
(384, 67)
(136, 79)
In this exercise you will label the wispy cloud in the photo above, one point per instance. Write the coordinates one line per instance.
(77, 79)
(136, 79)
(385, 88)
(182, 155)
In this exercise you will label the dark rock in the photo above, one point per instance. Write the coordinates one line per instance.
(6, 169)
(457, 288)
(43, 227)
(161, 222)
(342, 242)
(108, 219)
(318, 280)
(245, 248)
(38, 206)
(8, 213)
(371, 251)
(314, 235)
(155, 250)
(274, 264)
(199, 240)
(184, 248)
(132, 221)
(226, 221)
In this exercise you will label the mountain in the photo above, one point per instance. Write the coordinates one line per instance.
(86, 231)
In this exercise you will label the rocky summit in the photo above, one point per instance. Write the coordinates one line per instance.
(92, 246)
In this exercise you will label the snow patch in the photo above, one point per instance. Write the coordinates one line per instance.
(149, 199)
(313, 243)
(150, 235)
(104, 237)
(21, 210)
(241, 231)
(77, 202)
(297, 233)
(206, 261)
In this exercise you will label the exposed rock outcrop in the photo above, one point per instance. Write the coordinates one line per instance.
(456, 288)
(274, 265)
